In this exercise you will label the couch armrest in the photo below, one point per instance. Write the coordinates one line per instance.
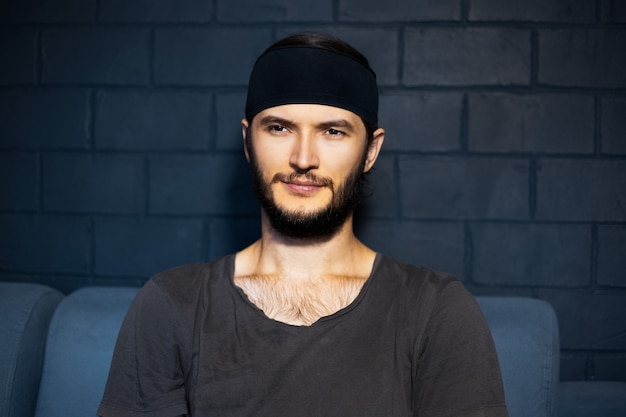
(526, 335)
(26, 310)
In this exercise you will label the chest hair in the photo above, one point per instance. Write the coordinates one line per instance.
(300, 303)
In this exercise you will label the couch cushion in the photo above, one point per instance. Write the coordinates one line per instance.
(82, 336)
(26, 310)
(592, 399)
(526, 335)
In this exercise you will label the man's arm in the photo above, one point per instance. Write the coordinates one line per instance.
(458, 371)
(146, 376)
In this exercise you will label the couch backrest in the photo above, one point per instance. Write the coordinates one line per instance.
(84, 329)
(526, 334)
(25, 313)
(80, 345)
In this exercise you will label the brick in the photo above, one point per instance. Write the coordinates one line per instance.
(155, 11)
(421, 122)
(18, 54)
(19, 181)
(534, 10)
(230, 235)
(274, 11)
(380, 192)
(103, 55)
(614, 126)
(613, 11)
(141, 120)
(43, 11)
(399, 10)
(455, 187)
(544, 123)
(93, 183)
(438, 246)
(379, 45)
(230, 109)
(474, 56)
(582, 58)
(44, 119)
(532, 254)
(581, 190)
(211, 56)
(611, 259)
(610, 367)
(33, 243)
(141, 247)
(200, 184)
(589, 321)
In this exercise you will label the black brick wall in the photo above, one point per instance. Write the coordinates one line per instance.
(505, 159)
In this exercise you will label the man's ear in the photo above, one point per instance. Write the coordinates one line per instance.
(374, 148)
(244, 132)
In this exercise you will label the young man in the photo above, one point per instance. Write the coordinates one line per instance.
(307, 321)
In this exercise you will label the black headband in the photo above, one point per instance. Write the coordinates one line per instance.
(312, 75)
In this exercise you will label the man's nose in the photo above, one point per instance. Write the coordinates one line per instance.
(304, 155)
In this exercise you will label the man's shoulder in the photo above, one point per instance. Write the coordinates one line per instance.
(424, 289)
(410, 275)
(190, 278)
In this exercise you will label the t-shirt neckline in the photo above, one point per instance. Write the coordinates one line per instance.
(320, 322)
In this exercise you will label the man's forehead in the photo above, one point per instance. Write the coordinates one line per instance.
(310, 112)
(307, 74)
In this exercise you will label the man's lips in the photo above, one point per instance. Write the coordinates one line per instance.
(303, 184)
(303, 187)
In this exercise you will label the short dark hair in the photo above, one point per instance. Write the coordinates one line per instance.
(321, 40)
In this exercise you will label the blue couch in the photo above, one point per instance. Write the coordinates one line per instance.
(56, 351)
(25, 312)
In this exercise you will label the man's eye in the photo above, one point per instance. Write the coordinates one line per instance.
(334, 132)
(277, 128)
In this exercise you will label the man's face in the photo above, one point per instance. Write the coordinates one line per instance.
(308, 162)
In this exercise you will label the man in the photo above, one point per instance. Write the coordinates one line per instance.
(307, 321)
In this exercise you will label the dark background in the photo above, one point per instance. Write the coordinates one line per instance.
(505, 158)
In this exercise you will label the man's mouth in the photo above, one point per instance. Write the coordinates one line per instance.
(303, 185)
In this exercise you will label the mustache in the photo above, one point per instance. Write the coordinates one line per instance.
(308, 176)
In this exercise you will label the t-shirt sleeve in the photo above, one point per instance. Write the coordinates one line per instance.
(146, 376)
(458, 373)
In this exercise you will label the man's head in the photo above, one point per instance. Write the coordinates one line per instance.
(311, 132)
(314, 68)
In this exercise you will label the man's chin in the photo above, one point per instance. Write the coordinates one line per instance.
(318, 225)
(302, 212)
(302, 203)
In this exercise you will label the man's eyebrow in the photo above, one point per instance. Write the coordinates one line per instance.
(334, 123)
(342, 123)
(271, 120)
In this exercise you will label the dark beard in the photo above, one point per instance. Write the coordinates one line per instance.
(320, 225)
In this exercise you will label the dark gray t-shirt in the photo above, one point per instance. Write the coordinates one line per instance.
(413, 343)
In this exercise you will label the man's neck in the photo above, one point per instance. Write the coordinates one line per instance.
(306, 259)
(297, 281)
